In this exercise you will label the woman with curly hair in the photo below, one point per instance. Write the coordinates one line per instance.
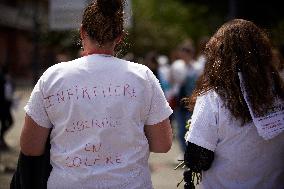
(236, 133)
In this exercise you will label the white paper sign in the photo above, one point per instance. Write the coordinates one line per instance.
(271, 124)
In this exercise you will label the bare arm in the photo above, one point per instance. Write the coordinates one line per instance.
(33, 138)
(159, 136)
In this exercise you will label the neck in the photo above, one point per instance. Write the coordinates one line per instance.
(93, 48)
(98, 51)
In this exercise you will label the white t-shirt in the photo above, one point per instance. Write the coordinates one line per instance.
(178, 71)
(97, 107)
(242, 159)
(199, 64)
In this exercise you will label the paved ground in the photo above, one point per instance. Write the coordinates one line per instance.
(162, 165)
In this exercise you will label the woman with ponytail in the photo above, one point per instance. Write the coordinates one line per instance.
(104, 114)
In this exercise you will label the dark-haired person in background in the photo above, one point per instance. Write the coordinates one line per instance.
(2, 106)
(6, 101)
(105, 114)
(183, 79)
(236, 134)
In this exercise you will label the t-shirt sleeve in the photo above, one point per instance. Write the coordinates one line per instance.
(159, 107)
(35, 106)
(203, 130)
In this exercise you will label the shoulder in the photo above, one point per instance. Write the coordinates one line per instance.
(66, 65)
(210, 99)
(136, 66)
(137, 69)
(210, 96)
(60, 69)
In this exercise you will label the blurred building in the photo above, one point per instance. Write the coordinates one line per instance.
(23, 26)
(19, 27)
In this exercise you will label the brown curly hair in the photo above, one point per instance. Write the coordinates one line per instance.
(239, 45)
(103, 20)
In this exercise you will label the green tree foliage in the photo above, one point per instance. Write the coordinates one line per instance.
(161, 25)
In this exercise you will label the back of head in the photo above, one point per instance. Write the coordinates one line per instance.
(241, 46)
(103, 20)
(186, 50)
(187, 46)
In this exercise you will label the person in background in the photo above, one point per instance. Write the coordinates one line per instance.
(151, 61)
(7, 92)
(129, 57)
(105, 114)
(2, 109)
(158, 64)
(164, 74)
(236, 133)
(200, 59)
(62, 57)
(184, 76)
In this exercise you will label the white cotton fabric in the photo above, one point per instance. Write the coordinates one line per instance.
(178, 71)
(97, 107)
(242, 158)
